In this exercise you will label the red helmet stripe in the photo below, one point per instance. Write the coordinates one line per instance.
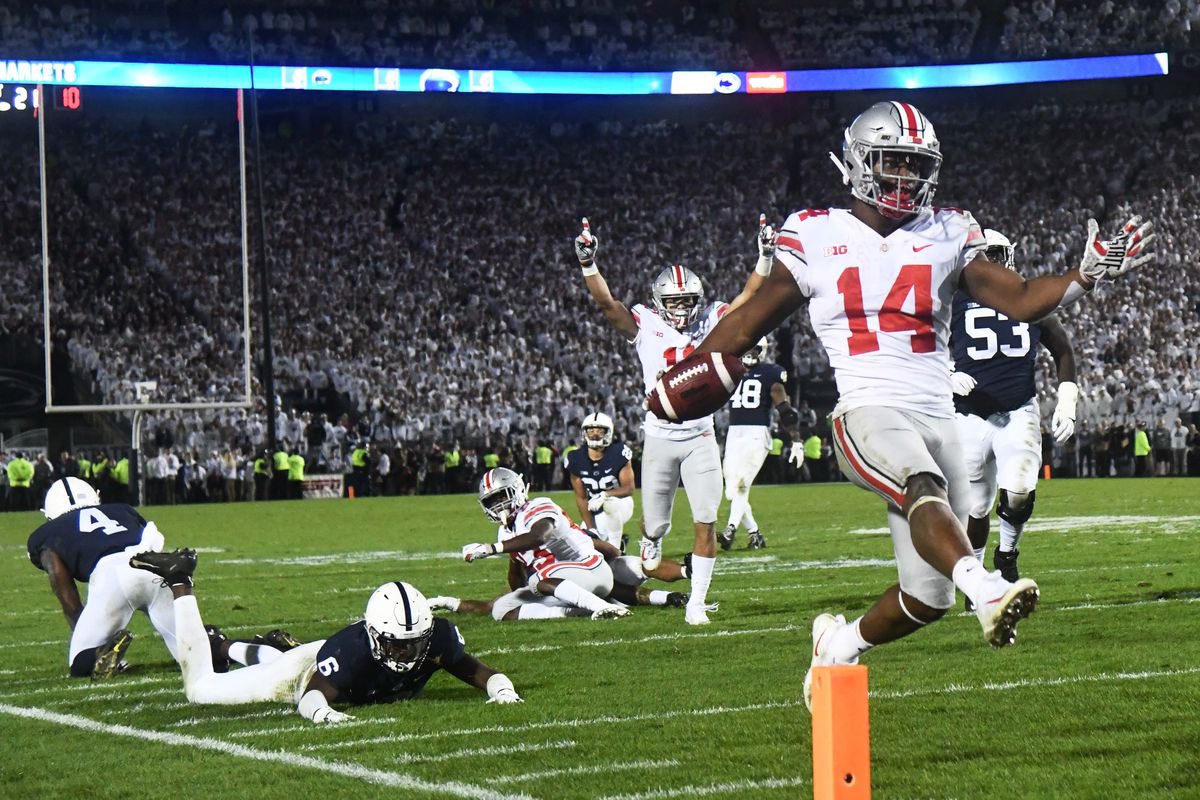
(911, 116)
(679, 276)
(487, 481)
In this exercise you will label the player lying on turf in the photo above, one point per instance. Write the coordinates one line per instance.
(523, 603)
(557, 556)
(387, 656)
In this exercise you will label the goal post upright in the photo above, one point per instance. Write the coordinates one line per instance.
(139, 408)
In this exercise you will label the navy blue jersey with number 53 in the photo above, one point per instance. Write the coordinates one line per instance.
(998, 352)
(751, 401)
(600, 476)
(84, 536)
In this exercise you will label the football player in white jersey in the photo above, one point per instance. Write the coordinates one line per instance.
(672, 452)
(555, 557)
(878, 279)
(999, 422)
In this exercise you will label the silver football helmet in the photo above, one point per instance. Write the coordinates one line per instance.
(68, 494)
(399, 626)
(757, 354)
(501, 492)
(678, 296)
(597, 430)
(998, 248)
(891, 159)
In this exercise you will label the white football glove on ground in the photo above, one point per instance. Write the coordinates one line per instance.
(443, 603)
(1063, 423)
(962, 382)
(476, 551)
(500, 690)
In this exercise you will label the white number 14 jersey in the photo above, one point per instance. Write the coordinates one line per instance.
(881, 305)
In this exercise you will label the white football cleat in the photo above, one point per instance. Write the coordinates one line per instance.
(1002, 605)
(611, 611)
(698, 614)
(651, 554)
(822, 631)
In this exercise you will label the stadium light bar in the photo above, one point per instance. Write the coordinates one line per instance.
(497, 81)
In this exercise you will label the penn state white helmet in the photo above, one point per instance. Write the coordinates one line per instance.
(757, 354)
(597, 419)
(998, 248)
(399, 626)
(66, 495)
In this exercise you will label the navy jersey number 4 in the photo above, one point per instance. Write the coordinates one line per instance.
(998, 352)
(84, 536)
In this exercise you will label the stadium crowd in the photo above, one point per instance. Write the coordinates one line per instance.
(595, 34)
(433, 302)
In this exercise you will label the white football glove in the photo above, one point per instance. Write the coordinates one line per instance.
(962, 382)
(1063, 422)
(1112, 258)
(597, 503)
(586, 246)
(331, 716)
(475, 551)
(796, 454)
(500, 690)
(766, 246)
(443, 603)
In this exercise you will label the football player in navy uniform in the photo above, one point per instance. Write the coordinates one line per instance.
(999, 422)
(749, 438)
(86, 541)
(388, 655)
(602, 477)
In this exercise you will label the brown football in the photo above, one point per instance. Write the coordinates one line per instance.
(696, 386)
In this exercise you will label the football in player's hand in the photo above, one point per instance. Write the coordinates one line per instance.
(696, 386)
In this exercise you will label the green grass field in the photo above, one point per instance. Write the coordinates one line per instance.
(1099, 699)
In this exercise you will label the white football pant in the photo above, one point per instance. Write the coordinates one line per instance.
(611, 519)
(746, 448)
(697, 461)
(115, 591)
(1003, 451)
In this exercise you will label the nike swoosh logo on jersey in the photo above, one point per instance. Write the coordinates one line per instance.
(922, 247)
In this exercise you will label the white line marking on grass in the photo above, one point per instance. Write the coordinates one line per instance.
(658, 637)
(355, 771)
(56, 684)
(275, 712)
(325, 559)
(1167, 525)
(729, 787)
(1130, 604)
(592, 770)
(730, 566)
(498, 750)
(607, 719)
(1037, 683)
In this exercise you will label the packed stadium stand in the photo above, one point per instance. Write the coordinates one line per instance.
(424, 283)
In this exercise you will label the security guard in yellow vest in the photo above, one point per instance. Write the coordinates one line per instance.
(296, 476)
(279, 474)
(262, 476)
(120, 480)
(543, 467)
(360, 474)
(20, 477)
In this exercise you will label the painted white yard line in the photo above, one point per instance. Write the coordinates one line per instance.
(595, 769)
(658, 637)
(354, 771)
(607, 719)
(275, 712)
(498, 750)
(1036, 683)
(729, 787)
(340, 559)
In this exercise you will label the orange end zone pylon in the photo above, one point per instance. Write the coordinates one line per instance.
(841, 734)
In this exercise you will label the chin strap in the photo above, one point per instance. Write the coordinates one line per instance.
(837, 162)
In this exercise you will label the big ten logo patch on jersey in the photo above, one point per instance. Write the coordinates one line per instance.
(835, 250)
